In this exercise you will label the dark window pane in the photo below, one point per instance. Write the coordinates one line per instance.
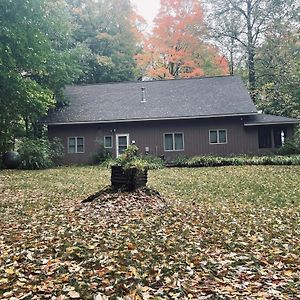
(122, 140)
(80, 145)
(222, 136)
(108, 142)
(71, 149)
(169, 142)
(72, 145)
(80, 148)
(178, 141)
(213, 137)
(264, 138)
(79, 141)
(71, 141)
(122, 149)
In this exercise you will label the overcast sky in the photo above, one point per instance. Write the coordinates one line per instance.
(147, 8)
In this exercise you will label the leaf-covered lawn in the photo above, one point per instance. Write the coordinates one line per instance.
(219, 233)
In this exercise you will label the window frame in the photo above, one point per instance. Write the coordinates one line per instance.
(76, 144)
(108, 136)
(218, 136)
(173, 141)
(117, 142)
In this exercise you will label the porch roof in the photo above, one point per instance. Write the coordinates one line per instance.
(264, 119)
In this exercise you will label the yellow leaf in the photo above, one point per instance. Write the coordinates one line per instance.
(70, 249)
(3, 280)
(10, 271)
(168, 280)
(229, 289)
(133, 271)
(288, 273)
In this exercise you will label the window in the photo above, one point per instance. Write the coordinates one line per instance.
(122, 142)
(76, 144)
(218, 136)
(173, 141)
(264, 138)
(108, 141)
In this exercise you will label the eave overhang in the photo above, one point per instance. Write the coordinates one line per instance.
(148, 119)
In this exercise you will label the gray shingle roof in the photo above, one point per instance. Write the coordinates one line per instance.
(169, 99)
(262, 119)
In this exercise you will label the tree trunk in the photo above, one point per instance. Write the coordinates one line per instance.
(251, 72)
(231, 62)
(26, 126)
(251, 54)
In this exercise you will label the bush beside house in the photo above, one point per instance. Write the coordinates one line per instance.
(214, 161)
(39, 153)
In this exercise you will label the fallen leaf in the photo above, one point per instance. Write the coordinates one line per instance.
(73, 295)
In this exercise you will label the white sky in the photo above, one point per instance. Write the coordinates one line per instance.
(147, 8)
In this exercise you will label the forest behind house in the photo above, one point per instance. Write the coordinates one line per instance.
(46, 45)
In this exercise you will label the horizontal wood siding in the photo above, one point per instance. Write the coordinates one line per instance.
(240, 139)
(89, 132)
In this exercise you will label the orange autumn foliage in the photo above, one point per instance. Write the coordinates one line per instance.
(173, 48)
(138, 25)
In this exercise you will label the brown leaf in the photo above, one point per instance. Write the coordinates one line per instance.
(74, 295)
(130, 246)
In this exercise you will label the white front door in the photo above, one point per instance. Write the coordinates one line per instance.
(122, 142)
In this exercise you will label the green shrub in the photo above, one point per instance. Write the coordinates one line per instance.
(149, 162)
(39, 153)
(56, 149)
(130, 159)
(215, 161)
(180, 160)
(290, 147)
(102, 155)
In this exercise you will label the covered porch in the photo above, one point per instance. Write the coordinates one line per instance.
(272, 131)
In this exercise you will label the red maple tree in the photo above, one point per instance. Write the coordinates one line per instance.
(176, 48)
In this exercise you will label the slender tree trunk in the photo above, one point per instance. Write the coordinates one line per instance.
(231, 59)
(251, 71)
(26, 126)
(251, 53)
(171, 68)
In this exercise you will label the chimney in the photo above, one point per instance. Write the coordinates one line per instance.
(143, 95)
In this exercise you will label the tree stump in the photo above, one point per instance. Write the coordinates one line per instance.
(128, 179)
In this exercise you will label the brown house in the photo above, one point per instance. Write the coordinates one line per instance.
(203, 116)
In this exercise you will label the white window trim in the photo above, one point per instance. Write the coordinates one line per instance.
(173, 134)
(218, 136)
(117, 141)
(112, 142)
(76, 137)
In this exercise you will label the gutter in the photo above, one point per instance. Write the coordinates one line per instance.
(271, 123)
(150, 119)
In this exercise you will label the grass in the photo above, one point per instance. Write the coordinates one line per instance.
(227, 232)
